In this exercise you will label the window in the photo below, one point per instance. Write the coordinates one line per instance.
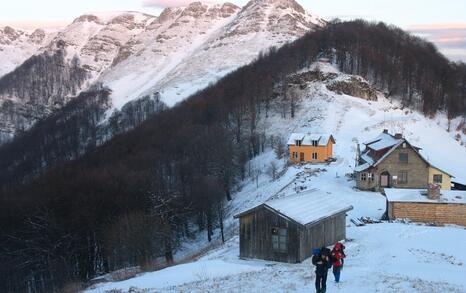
(294, 155)
(315, 143)
(403, 177)
(280, 239)
(298, 142)
(370, 176)
(403, 157)
(438, 178)
(363, 176)
(314, 156)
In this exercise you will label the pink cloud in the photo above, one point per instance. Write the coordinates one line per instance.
(450, 38)
(171, 3)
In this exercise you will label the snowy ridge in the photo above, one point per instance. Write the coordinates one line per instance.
(386, 257)
(97, 41)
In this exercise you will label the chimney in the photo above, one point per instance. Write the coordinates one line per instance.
(433, 191)
(398, 135)
(385, 131)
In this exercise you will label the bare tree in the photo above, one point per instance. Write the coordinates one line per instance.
(272, 170)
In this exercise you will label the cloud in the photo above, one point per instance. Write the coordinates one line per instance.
(449, 38)
(34, 24)
(170, 3)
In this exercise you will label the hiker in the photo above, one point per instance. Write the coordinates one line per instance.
(322, 260)
(338, 256)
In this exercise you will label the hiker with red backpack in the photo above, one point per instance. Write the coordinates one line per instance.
(338, 256)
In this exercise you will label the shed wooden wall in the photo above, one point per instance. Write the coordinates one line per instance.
(256, 236)
(324, 233)
(428, 212)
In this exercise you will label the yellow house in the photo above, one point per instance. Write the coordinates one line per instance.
(439, 177)
(313, 148)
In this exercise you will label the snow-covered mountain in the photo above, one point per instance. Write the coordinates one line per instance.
(18, 45)
(96, 39)
(135, 54)
(200, 43)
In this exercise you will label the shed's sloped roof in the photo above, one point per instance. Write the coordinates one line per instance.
(306, 139)
(307, 207)
(420, 196)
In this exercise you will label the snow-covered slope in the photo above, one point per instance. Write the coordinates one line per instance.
(385, 257)
(187, 48)
(18, 45)
(96, 39)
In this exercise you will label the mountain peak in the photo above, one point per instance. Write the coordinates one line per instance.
(281, 4)
(87, 18)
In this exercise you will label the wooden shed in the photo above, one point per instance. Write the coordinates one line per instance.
(425, 205)
(288, 228)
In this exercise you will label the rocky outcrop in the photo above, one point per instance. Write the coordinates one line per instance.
(354, 86)
(340, 83)
(310, 76)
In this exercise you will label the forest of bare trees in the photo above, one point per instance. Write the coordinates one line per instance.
(132, 200)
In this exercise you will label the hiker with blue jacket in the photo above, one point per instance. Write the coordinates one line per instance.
(322, 259)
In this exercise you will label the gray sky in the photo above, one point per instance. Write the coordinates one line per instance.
(443, 22)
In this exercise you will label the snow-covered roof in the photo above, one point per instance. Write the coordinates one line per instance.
(368, 159)
(294, 137)
(383, 141)
(305, 208)
(420, 195)
(306, 139)
(362, 167)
